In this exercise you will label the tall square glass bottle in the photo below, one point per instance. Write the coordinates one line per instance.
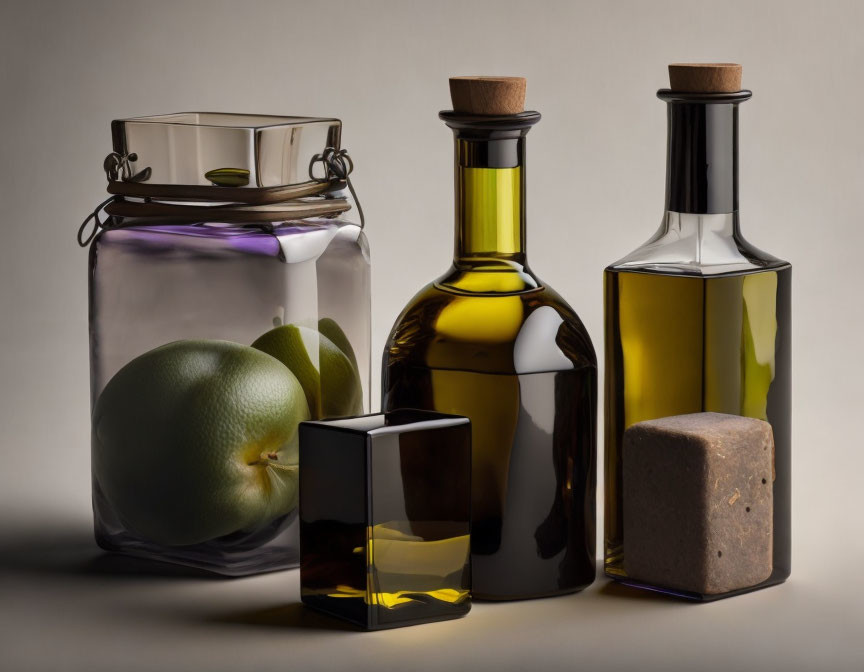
(698, 319)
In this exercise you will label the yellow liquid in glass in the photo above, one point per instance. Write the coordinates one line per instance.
(685, 344)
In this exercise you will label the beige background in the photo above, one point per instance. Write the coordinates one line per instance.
(596, 179)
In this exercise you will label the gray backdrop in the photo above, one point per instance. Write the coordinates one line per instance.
(596, 181)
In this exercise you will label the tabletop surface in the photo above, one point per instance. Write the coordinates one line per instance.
(64, 604)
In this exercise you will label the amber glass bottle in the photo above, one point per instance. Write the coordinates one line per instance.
(491, 341)
(697, 319)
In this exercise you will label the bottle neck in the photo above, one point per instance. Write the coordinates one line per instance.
(489, 249)
(702, 152)
(700, 233)
(490, 201)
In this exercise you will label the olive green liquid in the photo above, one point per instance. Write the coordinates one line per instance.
(533, 434)
(684, 344)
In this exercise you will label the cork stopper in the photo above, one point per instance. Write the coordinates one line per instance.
(705, 77)
(488, 95)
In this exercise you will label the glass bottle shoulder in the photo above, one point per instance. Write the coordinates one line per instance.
(698, 245)
(528, 331)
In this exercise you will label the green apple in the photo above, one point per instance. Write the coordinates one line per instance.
(198, 439)
(331, 380)
(328, 327)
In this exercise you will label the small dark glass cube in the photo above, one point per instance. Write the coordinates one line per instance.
(385, 505)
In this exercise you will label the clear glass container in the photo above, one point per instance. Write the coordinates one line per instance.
(213, 335)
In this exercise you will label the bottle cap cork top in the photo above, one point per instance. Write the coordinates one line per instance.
(488, 95)
(705, 77)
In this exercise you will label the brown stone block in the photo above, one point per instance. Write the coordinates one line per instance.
(698, 502)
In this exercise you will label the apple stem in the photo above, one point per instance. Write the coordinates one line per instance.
(271, 459)
(284, 467)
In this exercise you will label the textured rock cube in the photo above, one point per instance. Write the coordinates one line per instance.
(698, 502)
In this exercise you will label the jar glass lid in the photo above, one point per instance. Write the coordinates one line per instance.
(220, 149)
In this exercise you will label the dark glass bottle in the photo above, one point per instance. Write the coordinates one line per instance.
(490, 341)
(697, 319)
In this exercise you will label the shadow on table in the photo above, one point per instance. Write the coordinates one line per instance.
(72, 551)
(607, 588)
(624, 592)
(614, 589)
(288, 616)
